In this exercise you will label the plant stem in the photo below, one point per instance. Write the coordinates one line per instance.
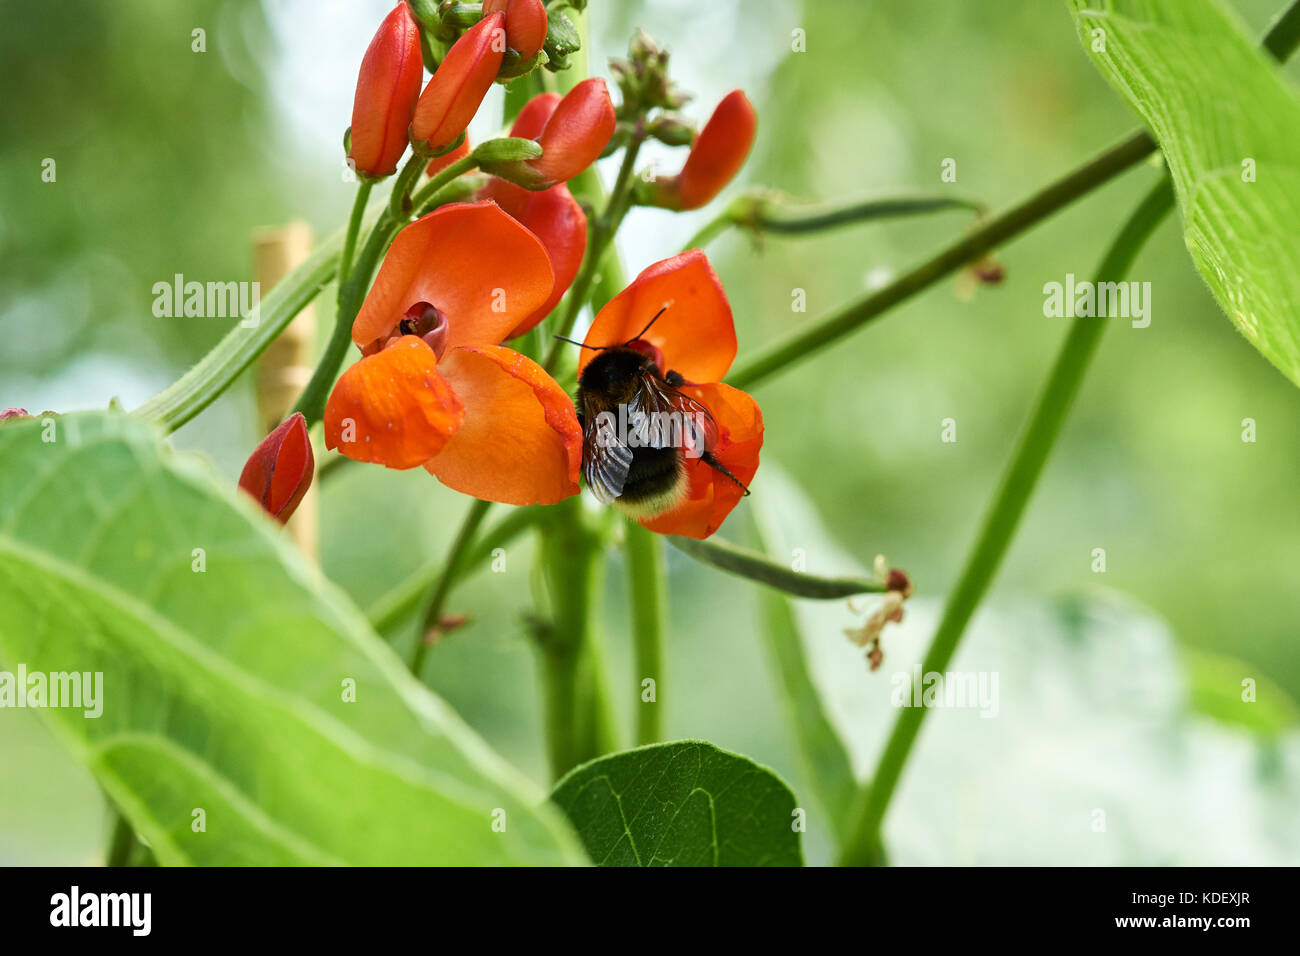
(402, 186)
(352, 289)
(803, 343)
(579, 719)
(603, 230)
(397, 605)
(442, 179)
(864, 846)
(122, 842)
(648, 594)
(759, 567)
(451, 568)
(764, 211)
(354, 226)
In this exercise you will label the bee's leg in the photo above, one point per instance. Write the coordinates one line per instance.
(721, 469)
(674, 379)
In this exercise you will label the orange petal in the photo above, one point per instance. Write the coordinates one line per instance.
(485, 272)
(393, 408)
(576, 133)
(525, 24)
(554, 217)
(458, 86)
(387, 87)
(533, 117)
(696, 334)
(521, 443)
(710, 495)
(718, 152)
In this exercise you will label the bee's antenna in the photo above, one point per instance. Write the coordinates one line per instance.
(647, 325)
(582, 345)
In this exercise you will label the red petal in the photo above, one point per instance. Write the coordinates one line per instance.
(533, 117)
(484, 271)
(716, 156)
(696, 333)
(521, 443)
(525, 24)
(463, 78)
(710, 495)
(554, 217)
(393, 408)
(279, 471)
(577, 132)
(387, 88)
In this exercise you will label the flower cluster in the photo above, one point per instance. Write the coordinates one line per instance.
(439, 383)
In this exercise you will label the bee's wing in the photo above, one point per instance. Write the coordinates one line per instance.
(698, 432)
(605, 459)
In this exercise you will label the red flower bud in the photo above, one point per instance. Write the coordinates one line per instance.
(279, 471)
(463, 78)
(576, 133)
(525, 24)
(14, 413)
(716, 156)
(532, 119)
(387, 89)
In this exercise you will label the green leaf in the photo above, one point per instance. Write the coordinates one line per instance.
(224, 688)
(681, 804)
(1218, 690)
(1187, 67)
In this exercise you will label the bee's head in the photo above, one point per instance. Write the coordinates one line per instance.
(615, 373)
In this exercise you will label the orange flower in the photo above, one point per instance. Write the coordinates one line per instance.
(279, 471)
(458, 86)
(387, 88)
(716, 156)
(572, 132)
(697, 339)
(434, 388)
(525, 24)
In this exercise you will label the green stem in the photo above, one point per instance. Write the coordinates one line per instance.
(443, 178)
(759, 567)
(579, 718)
(450, 570)
(397, 605)
(354, 226)
(864, 846)
(603, 230)
(648, 593)
(803, 343)
(352, 290)
(397, 199)
(763, 211)
(122, 843)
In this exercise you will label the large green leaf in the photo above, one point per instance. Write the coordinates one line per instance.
(1223, 115)
(681, 804)
(224, 689)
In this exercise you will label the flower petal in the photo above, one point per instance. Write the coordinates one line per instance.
(521, 443)
(525, 24)
(458, 86)
(710, 495)
(696, 334)
(387, 87)
(279, 471)
(554, 217)
(533, 117)
(485, 272)
(393, 408)
(576, 133)
(715, 157)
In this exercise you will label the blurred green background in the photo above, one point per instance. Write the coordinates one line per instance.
(168, 160)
